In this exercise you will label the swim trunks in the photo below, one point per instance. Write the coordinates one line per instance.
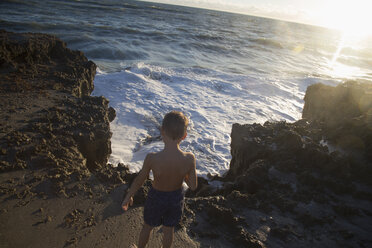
(163, 208)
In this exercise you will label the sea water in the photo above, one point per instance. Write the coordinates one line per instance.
(218, 68)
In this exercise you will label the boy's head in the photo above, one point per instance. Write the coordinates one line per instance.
(175, 125)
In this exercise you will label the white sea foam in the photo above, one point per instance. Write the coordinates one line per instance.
(212, 100)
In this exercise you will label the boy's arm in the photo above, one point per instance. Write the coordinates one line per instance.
(191, 178)
(137, 183)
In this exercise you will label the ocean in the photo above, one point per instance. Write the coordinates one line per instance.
(218, 68)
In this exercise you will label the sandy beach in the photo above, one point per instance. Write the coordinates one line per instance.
(77, 221)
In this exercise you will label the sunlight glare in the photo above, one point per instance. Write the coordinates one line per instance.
(337, 69)
(353, 18)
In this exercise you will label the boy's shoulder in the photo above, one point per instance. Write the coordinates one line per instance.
(189, 155)
(151, 155)
(156, 158)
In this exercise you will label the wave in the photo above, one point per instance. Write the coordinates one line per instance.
(17, 2)
(162, 8)
(100, 52)
(127, 30)
(209, 47)
(267, 42)
(97, 5)
(208, 37)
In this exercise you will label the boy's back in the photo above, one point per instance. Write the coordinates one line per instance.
(170, 168)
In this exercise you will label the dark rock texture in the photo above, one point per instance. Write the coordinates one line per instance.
(345, 114)
(338, 105)
(49, 121)
(41, 61)
(295, 184)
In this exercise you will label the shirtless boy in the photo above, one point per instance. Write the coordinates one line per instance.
(170, 167)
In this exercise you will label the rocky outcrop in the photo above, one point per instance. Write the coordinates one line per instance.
(338, 105)
(345, 114)
(40, 61)
(50, 121)
(291, 184)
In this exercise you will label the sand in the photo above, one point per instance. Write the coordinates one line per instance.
(79, 221)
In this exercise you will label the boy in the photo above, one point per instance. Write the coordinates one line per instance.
(170, 167)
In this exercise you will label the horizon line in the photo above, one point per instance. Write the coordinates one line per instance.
(248, 14)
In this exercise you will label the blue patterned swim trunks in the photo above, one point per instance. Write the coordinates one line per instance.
(163, 208)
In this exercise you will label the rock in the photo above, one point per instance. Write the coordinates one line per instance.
(346, 211)
(48, 219)
(245, 239)
(51, 64)
(141, 194)
(221, 215)
(289, 140)
(65, 131)
(73, 218)
(345, 112)
(288, 170)
(203, 189)
(71, 241)
(346, 234)
(281, 233)
(254, 178)
(242, 200)
(246, 138)
(335, 105)
(111, 114)
(308, 220)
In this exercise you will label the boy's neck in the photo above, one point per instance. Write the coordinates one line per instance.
(170, 144)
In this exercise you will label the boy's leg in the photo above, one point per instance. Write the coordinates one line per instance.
(168, 233)
(144, 235)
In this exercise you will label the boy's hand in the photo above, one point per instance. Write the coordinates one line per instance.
(126, 203)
